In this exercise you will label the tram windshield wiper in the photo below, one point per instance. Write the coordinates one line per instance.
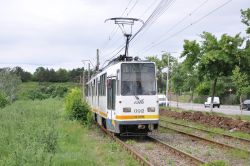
(137, 98)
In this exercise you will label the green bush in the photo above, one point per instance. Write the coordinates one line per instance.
(44, 92)
(59, 91)
(76, 107)
(90, 119)
(3, 100)
(36, 94)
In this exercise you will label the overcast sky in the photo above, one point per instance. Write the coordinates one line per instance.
(62, 33)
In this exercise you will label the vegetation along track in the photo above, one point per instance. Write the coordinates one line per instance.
(223, 140)
(151, 151)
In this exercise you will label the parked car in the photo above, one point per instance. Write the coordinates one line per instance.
(246, 104)
(163, 101)
(216, 102)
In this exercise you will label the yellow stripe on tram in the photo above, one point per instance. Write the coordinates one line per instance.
(125, 117)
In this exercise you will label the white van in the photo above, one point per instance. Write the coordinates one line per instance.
(216, 102)
(163, 101)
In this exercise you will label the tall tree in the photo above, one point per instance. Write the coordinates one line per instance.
(40, 74)
(213, 58)
(62, 75)
(218, 56)
(192, 54)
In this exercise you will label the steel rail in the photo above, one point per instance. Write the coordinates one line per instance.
(134, 154)
(181, 153)
(207, 131)
(205, 139)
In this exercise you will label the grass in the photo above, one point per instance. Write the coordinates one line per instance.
(239, 154)
(242, 117)
(38, 133)
(216, 163)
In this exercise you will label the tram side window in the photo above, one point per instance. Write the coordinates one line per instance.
(118, 82)
(111, 94)
(89, 91)
(93, 89)
(96, 83)
(99, 88)
(103, 85)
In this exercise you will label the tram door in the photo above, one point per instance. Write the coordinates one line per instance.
(111, 94)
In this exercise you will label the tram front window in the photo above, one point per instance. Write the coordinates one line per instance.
(138, 79)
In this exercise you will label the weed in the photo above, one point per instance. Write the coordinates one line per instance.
(130, 142)
(239, 154)
(149, 147)
(208, 153)
(171, 162)
(216, 163)
(188, 150)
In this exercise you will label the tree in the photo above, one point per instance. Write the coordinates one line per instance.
(75, 74)
(245, 14)
(52, 76)
(241, 81)
(178, 77)
(191, 53)
(213, 58)
(218, 57)
(62, 75)
(40, 74)
(24, 75)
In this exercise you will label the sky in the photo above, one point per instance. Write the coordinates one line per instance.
(65, 33)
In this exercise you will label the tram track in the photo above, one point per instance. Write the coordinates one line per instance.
(192, 159)
(208, 131)
(144, 158)
(201, 149)
(134, 154)
(206, 139)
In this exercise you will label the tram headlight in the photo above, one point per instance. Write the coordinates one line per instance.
(126, 109)
(151, 109)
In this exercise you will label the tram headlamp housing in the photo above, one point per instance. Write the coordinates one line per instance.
(126, 109)
(151, 109)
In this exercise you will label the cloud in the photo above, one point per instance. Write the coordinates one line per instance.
(61, 33)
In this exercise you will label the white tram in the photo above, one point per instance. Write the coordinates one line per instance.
(123, 97)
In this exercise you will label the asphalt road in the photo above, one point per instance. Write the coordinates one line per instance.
(225, 109)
